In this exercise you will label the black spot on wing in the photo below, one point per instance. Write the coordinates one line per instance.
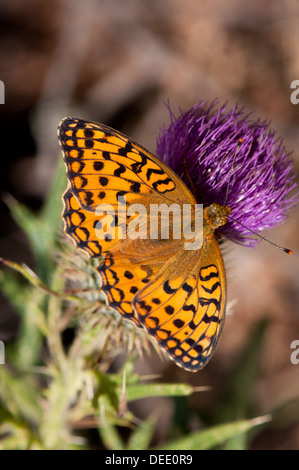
(167, 289)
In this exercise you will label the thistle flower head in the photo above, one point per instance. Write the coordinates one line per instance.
(254, 175)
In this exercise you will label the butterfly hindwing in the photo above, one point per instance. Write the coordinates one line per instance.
(183, 307)
(121, 281)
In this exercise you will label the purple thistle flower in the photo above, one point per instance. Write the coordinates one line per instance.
(254, 177)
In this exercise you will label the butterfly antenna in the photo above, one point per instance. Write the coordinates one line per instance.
(286, 250)
(240, 141)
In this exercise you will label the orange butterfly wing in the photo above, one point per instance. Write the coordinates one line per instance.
(177, 295)
(184, 306)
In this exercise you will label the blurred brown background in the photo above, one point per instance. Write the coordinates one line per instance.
(118, 62)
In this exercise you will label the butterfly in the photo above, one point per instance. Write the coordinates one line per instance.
(178, 295)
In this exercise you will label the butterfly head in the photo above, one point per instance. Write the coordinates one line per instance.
(216, 215)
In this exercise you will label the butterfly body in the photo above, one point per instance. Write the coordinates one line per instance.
(178, 295)
(215, 216)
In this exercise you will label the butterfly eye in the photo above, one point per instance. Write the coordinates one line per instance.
(222, 221)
